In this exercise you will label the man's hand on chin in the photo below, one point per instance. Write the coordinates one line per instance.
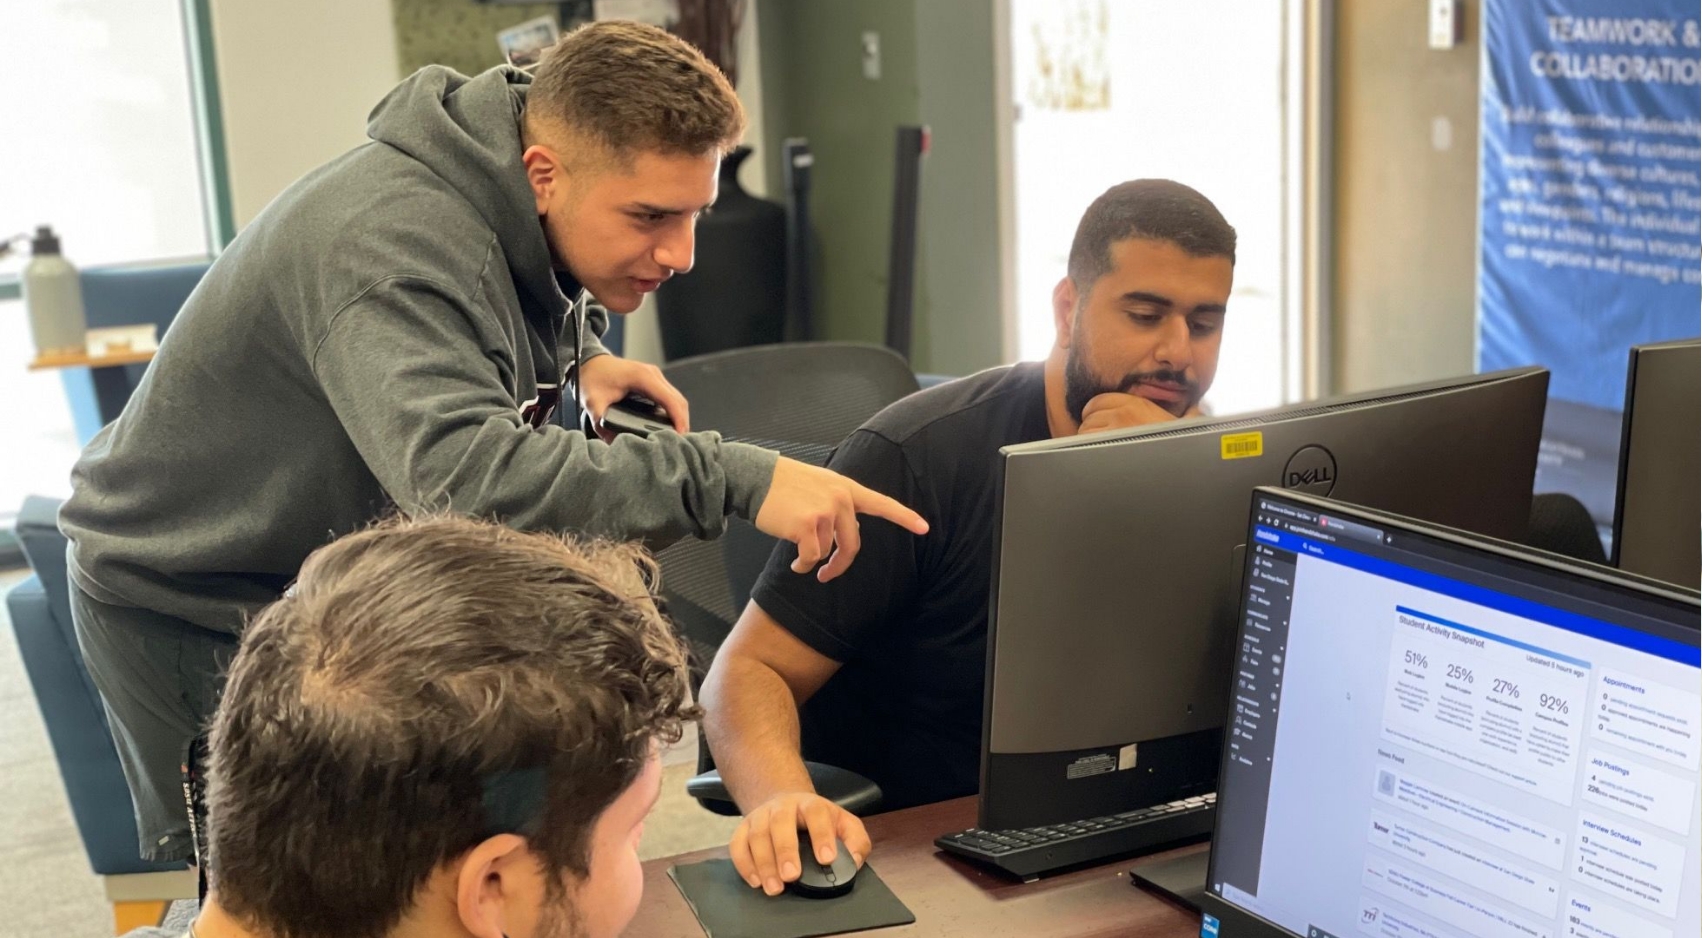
(1115, 410)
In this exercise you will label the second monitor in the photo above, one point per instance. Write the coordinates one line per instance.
(1655, 514)
(1117, 561)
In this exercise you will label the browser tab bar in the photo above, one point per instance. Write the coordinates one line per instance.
(1351, 530)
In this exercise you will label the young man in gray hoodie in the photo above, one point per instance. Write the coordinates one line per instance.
(390, 334)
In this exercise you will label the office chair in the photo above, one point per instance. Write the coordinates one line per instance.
(801, 399)
(1560, 524)
(123, 296)
(83, 751)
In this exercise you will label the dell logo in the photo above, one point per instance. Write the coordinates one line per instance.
(1312, 469)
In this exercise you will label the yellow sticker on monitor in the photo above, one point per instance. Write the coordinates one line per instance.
(1242, 445)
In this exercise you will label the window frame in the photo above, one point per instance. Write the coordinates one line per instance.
(213, 167)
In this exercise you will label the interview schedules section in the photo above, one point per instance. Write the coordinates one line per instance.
(1504, 778)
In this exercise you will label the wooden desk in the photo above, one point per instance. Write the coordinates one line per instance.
(111, 384)
(954, 898)
(84, 360)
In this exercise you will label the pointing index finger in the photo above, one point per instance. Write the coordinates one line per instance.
(871, 502)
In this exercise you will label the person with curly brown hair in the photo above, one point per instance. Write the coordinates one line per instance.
(446, 728)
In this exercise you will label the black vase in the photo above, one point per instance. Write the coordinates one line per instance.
(735, 294)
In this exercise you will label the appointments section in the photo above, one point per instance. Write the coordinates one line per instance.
(1648, 717)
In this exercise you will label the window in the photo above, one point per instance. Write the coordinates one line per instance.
(101, 143)
(100, 126)
(1191, 90)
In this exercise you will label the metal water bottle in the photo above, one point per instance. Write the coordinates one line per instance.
(53, 296)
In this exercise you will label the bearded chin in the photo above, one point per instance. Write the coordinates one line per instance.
(1080, 384)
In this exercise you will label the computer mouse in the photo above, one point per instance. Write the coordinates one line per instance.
(818, 880)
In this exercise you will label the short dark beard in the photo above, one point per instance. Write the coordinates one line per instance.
(1082, 385)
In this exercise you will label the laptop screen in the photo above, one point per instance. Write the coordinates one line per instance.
(1432, 739)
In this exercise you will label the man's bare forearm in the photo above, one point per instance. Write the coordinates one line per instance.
(751, 722)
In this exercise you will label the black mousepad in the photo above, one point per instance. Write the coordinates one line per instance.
(727, 907)
(1183, 877)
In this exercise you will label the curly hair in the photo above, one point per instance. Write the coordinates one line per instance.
(426, 685)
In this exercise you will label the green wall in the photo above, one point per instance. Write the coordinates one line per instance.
(936, 69)
(458, 33)
(1404, 306)
(960, 326)
(813, 51)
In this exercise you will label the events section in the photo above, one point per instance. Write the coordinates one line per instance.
(1589, 917)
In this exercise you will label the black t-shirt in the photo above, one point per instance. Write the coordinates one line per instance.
(908, 620)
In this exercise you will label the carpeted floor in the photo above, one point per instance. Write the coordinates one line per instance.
(47, 887)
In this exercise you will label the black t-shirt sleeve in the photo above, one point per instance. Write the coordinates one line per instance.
(841, 618)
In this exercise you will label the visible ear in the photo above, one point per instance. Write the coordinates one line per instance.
(1064, 311)
(545, 173)
(488, 884)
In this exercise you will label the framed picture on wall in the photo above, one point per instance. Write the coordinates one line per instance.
(524, 43)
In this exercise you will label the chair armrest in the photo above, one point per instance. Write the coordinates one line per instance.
(843, 787)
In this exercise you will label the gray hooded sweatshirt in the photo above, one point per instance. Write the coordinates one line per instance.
(367, 344)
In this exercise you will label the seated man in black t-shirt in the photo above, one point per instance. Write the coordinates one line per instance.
(886, 663)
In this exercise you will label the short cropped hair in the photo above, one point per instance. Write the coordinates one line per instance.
(629, 88)
(1155, 209)
(428, 684)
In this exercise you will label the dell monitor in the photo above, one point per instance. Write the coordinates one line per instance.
(1445, 735)
(1657, 517)
(1116, 571)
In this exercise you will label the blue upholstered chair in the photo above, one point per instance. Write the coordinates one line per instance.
(40, 609)
(123, 296)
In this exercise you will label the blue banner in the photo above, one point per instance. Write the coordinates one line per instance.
(1591, 204)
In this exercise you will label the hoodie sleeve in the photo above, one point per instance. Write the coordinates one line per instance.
(596, 325)
(430, 412)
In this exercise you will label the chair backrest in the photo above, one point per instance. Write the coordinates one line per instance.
(132, 295)
(801, 399)
(125, 296)
(1560, 524)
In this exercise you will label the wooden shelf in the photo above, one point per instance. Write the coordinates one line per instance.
(83, 360)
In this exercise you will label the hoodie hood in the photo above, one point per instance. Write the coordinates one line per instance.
(467, 132)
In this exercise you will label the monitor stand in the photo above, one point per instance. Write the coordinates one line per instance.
(1182, 878)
